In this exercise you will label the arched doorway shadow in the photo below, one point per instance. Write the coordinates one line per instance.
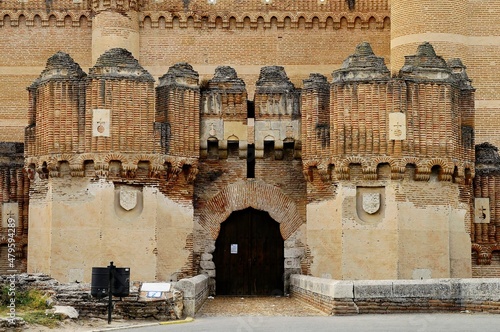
(249, 255)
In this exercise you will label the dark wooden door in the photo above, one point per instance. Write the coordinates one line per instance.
(249, 255)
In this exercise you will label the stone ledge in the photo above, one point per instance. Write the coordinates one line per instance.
(392, 296)
(195, 291)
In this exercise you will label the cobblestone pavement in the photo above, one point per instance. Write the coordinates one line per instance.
(256, 306)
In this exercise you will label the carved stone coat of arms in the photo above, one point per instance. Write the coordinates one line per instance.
(128, 198)
(371, 202)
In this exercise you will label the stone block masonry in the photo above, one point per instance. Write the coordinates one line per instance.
(338, 297)
(188, 295)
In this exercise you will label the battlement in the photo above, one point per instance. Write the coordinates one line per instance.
(314, 14)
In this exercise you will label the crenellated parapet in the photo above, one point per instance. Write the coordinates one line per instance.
(117, 5)
(225, 95)
(202, 14)
(277, 111)
(224, 113)
(424, 118)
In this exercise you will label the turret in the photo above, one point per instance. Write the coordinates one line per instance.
(178, 107)
(56, 112)
(119, 105)
(115, 25)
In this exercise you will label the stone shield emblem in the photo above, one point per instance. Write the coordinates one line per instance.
(371, 202)
(128, 199)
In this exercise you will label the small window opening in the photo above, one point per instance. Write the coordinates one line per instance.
(89, 168)
(233, 148)
(288, 150)
(251, 161)
(268, 149)
(250, 109)
(143, 167)
(435, 171)
(213, 148)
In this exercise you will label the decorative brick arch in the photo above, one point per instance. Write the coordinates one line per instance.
(255, 194)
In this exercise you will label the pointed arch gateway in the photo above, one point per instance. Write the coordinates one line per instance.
(251, 194)
(250, 221)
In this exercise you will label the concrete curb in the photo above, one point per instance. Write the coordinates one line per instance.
(116, 328)
(170, 322)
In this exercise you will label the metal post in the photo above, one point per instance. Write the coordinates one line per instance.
(111, 270)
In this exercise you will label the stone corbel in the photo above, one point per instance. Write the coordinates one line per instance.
(173, 172)
(101, 169)
(156, 170)
(30, 171)
(484, 258)
(53, 169)
(43, 172)
(422, 174)
(308, 174)
(397, 172)
(76, 170)
(342, 172)
(129, 171)
(192, 173)
(370, 173)
(446, 174)
(324, 172)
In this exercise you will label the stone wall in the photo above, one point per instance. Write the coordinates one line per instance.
(77, 295)
(397, 296)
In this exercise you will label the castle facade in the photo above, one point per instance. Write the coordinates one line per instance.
(249, 140)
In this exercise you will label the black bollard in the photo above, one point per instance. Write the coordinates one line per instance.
(111, 270)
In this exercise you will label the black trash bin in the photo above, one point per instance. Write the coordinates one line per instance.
(122, 282)
(100, 281)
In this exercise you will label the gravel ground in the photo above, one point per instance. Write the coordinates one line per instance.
(257, 306)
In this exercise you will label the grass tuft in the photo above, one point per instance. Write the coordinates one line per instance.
(42, 318)
(30, 305)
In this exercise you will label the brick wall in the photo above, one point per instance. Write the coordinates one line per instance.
(247, 34)
(14, 191)
(466, 29)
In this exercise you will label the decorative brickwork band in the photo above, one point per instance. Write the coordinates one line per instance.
(255, 194)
